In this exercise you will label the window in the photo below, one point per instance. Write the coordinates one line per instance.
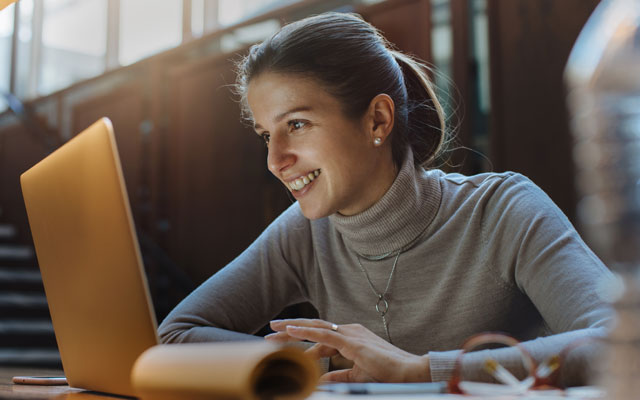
(231, 11)
(198, 17)
(60, 42)
(147, 27)
(6, 34)
(24, 70)
(74, 37)
(441, 44)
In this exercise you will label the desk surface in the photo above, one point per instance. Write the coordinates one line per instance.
(33, 392)
(10, 391)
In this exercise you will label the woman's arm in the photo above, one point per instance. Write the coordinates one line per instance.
(536, 250)
(245, 295)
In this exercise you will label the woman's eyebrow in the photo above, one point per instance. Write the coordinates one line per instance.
(280, 117)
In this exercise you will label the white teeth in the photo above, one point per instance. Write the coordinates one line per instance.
(303, 181)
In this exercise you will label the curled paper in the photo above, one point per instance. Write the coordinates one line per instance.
(228, 370)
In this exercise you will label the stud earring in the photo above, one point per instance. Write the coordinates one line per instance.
(377, 141)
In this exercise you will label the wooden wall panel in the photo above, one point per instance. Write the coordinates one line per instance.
(220, 194)
(405, 23)
(19, 151)
(530, 41)
(124, 106)
(461, 71)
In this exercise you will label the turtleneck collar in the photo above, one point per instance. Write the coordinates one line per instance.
(398, 218)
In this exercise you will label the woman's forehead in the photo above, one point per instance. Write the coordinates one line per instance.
(287, 86)
(270, 95)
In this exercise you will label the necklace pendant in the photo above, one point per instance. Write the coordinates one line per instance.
(386, 328)
(382, 306)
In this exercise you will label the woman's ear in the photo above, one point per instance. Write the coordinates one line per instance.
(380, 117)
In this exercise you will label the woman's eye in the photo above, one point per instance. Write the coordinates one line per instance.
(295, 125)
(266, 137)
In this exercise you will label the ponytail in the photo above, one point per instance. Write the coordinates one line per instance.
(426, 128)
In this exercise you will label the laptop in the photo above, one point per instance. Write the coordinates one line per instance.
(90, 262)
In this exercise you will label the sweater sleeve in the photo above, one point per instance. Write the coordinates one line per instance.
(242, 297)
(533, 248)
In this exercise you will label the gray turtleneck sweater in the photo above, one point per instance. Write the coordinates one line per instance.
(489, 252)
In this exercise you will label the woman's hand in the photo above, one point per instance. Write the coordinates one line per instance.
(374, 359)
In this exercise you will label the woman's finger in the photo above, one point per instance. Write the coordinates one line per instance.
(281, 324)
(342, 375)
(338, 361)
(280, 337)
(326, 337)
(319, 350)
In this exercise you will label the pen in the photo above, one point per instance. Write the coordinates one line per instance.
(384, 388)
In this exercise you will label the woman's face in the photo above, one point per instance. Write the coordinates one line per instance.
(327, 161)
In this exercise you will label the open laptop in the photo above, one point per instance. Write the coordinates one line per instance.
(90, 262)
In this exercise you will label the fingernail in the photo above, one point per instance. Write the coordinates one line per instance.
(293, 327)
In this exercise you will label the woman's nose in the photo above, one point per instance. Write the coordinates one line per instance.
(280, 155)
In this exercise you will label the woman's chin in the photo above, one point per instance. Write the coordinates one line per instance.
(313, 212)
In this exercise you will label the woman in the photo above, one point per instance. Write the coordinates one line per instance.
(402, 262)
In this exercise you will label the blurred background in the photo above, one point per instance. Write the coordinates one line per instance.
(197, 179)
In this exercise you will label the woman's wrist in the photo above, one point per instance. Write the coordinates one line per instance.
(419, 370)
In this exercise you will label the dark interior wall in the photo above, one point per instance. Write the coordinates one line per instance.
(124, 106)
(405, 23)
(530, 41)
(13, 163)
(220, 195)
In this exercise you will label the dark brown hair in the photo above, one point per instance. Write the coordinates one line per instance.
(355, 63)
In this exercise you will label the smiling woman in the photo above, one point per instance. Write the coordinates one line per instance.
(402, 261)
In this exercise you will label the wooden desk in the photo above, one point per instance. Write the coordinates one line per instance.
(17, 392)
(33, 392)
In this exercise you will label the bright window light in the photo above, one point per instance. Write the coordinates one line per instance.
(74, 41)
(148, 27)
(6, 32)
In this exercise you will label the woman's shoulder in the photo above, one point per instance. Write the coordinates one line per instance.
(483, 184)
(492, 192)
(485, 179)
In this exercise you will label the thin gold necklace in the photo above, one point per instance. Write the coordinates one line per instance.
(382, 304)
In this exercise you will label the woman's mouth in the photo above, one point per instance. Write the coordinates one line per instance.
(301, 182)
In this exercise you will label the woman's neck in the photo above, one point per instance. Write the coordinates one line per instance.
(398, 217)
